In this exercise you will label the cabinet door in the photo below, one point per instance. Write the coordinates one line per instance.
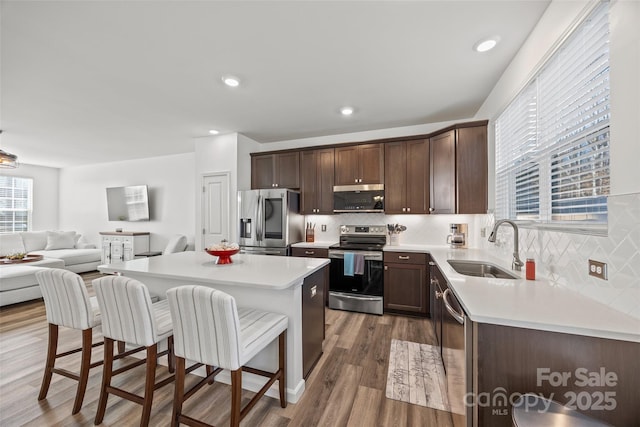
(471, 170)
(313, 290)
(324, 192)
(308, 182)
(371, 165)
(443, 169)
(405, 289)
(438, 285)
(287, 170)
(417, 169)
(395, 177)
(262, 169)
(346, 165)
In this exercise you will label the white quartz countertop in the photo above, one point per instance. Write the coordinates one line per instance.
(313, 245)
(538, 304)
(255, 271)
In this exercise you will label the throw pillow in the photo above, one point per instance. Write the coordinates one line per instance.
(34, 240)
(60, 240)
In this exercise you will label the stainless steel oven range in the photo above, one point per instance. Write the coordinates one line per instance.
(356, 270)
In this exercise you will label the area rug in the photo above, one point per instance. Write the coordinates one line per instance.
(416, 375)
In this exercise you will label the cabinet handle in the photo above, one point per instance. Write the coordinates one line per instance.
(405, 257)
(404, 209)
(431, 209)
(386, 267)
(432, 263)
(408, 209)
(438, 294)
(276, 185)
(309, 252)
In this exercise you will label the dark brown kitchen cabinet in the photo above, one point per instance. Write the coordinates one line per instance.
(313, 320)
(277, 170)
(316, 181)
(437, 285)
(314, 253)
(359, 164)
(443, 173)
(405, 283)
(406, 177)
(458, 160)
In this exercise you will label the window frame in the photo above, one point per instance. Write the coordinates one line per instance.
(545, 205)
(28, 210)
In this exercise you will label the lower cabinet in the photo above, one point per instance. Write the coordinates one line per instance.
(313, 318)
(405, 283)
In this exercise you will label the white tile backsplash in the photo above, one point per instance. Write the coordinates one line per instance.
(560, 257)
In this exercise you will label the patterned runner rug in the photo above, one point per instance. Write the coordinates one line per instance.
(416, 375)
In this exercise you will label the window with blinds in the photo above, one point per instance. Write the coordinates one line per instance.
(15, 204)
(552, 141)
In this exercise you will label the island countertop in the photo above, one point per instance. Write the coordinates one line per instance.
(254, 271)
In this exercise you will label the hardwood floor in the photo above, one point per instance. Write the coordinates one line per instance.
(346, 388)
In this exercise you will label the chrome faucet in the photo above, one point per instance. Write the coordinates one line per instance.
(517, 263)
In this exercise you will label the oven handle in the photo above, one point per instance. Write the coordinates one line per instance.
(369, 256)
(459, 317)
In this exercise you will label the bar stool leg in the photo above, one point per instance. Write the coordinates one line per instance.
(106, 379)
(152, 360)
(84, 369)
(209, 370)
(178, 396)
(171, 360)
(236, 396)
(282, 362)
(52, 348)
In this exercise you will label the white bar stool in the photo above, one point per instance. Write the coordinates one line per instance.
(210, 329)
(68, 304)
(128, 315)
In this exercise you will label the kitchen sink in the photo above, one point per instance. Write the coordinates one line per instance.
(480, 269)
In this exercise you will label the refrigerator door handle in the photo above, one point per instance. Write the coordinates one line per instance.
(259, 219)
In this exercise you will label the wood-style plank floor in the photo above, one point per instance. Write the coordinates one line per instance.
(346, 388)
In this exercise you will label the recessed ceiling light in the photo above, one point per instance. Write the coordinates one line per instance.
(231, 81)
(486, 44)
(346, 111)
(214, 132)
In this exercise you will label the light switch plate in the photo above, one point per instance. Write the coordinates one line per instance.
(598, 269)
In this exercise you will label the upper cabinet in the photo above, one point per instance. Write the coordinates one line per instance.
(458, 160)
(359, 164)
(316, 181)
(443, 173)
(278, 170)
(406, 177)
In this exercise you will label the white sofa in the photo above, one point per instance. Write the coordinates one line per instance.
(59, 250)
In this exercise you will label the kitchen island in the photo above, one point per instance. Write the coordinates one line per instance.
(270, 283)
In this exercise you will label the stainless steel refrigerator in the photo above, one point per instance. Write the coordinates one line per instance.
(270, 221)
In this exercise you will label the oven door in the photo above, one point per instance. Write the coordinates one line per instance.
(369, 283)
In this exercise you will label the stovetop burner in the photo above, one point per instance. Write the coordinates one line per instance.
(361, 237)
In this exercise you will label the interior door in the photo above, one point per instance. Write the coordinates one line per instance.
(215, 209)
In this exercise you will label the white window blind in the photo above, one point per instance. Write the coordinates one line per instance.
(552, 141)
(15, 204)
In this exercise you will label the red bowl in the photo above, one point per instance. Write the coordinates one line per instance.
(224, 256)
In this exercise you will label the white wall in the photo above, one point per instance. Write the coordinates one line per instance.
(83, 200)
(45, 194)
(223, 153)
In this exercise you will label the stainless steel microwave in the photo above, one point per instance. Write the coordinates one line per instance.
(358, 198)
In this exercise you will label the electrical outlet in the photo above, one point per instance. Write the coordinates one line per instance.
(483, 232)
(598, 269)
(324, 227)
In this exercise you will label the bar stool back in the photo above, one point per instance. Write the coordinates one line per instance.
(209, 328)
(68, 304)
(128, 315)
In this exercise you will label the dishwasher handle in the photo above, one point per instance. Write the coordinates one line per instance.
(459, 317)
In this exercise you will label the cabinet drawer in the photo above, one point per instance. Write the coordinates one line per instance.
(405, 257)
(310, 252)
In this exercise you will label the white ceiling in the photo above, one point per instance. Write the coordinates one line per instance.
(95, 81)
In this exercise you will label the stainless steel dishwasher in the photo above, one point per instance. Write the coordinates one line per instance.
(457, 354)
